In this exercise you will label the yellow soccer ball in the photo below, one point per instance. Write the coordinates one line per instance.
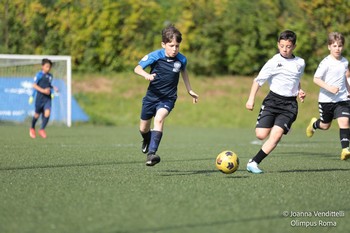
(227, 162)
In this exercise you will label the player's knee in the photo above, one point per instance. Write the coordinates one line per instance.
(144, 128)
(158, 120)
(325, 126)
(260, 135)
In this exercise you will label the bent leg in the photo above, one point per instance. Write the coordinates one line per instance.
(344, 132)
(35, 119)
(45, 118)
(145, 130)
(274, 138)
(157, 133)
(145, 126)
(262, 133)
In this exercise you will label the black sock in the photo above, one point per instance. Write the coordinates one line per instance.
(344, 137)
(156, 137)
(45, 121)
(316, 125)
(259, 156)
(146, 136)
(34, 122)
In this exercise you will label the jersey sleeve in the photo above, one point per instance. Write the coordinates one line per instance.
(321, 70)
(265, 73)
(183, 61)
(37, 77)
(149, 59)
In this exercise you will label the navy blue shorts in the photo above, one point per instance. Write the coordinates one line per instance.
(150, 108)
(42, 106)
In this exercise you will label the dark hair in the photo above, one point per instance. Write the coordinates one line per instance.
(46, 61)
(171, 32)
(335, 37)
(288, 35)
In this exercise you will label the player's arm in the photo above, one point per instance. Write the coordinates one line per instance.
(347, 80)
(251, 100)
(140, 71)
(332, 89)
(301, 94)
(45, 91)
(186, 79)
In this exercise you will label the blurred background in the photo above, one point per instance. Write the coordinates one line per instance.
(226, 43)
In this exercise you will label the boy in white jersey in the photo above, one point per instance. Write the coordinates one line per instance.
(280, 107)
(332, 101)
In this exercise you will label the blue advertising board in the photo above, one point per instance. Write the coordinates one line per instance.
(14, 106)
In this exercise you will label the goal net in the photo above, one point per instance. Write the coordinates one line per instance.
(16, 80)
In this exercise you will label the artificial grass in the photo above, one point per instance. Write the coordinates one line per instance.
(93, 179)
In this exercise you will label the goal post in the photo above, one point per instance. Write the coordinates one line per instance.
(22, 69)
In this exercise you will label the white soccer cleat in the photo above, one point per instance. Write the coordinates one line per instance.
(252, 167)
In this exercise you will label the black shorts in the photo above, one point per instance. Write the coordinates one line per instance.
(330, 111)
(150, 108)
(277, 110)
(42, 105)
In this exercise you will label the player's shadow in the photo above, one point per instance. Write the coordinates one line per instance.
(93, 164)
(316, 170)
(306, 154)
(83, 164)
(197, 172)
(186, 173)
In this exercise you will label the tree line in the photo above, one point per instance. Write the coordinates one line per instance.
(219, 36)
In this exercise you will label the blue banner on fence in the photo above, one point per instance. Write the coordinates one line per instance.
(14, 106)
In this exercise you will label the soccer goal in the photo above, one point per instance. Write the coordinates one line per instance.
(16, 79)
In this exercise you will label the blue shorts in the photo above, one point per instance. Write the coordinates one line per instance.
(42, 106)
(149, 108)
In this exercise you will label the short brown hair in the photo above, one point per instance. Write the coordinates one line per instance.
(171, 32)
(335, 37)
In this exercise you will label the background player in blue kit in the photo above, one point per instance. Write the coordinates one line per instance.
(43, 89)
(280, 108)
(166, 65)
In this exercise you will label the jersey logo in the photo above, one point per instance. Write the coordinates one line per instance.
(145, 58)
(299, 68)
(279, 65)
(177, 67)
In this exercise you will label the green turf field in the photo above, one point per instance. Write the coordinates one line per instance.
(93, 179)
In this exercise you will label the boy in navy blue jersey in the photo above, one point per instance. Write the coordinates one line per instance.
(166, 64)
(43, 89)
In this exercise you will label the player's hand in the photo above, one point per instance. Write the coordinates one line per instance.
(302, 95)
(250, 105)
(55, 89)
(150, 77)
(333, 89)
(30, 100)
(194, 96)
(47, 91)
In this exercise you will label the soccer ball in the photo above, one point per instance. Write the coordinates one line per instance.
(227, 162)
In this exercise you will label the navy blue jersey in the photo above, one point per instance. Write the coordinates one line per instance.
(167, 70)
(44, 81)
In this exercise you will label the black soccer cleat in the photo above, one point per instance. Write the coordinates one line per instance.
(152, 159)
(145, 146)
